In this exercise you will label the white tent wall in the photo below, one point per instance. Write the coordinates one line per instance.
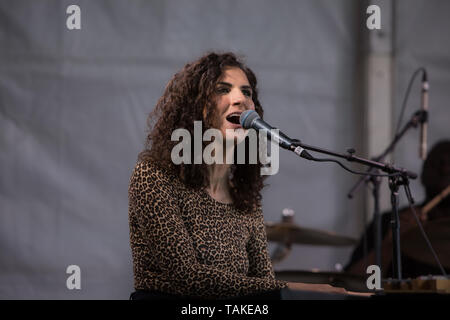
(422, 41)
(73, 108)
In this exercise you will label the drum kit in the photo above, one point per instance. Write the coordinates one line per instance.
(287, 233)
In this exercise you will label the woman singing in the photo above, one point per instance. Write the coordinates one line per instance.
(197, 229)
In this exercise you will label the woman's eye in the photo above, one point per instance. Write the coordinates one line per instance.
(247, 93)
(222, 90)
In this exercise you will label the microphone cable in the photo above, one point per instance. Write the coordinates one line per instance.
(427, 240)
(405, 98)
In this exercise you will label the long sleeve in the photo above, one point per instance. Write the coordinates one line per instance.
(157, 233)
(260, 264)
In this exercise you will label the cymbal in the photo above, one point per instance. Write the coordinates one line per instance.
(414, 246)
(292, 233)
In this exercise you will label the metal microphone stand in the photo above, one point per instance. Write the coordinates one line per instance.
(394, 184)
(352, 158)
(417, 118)
(398, 176)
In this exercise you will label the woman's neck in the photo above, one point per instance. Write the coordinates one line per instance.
(218, 187)
(218, 174)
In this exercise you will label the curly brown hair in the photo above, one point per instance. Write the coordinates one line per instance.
(183, 101)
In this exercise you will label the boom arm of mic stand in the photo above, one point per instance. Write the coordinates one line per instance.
(418, 117)
(351, 158)
(394, 182)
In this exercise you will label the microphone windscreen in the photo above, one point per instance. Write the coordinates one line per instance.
(247, 117)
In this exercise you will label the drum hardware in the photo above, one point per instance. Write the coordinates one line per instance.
(283, 249)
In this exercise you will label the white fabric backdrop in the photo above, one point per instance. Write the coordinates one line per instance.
(422, 41)
(73, 106)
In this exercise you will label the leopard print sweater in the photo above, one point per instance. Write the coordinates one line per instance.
(186, 243)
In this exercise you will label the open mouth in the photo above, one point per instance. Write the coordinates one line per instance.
(234, 117)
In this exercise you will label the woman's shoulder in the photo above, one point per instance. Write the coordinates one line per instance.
(258, 212)
(152, 171)
(255, 213)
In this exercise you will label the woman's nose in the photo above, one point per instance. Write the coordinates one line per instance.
(237, 97)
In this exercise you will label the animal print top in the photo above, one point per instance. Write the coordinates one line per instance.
(186, 243)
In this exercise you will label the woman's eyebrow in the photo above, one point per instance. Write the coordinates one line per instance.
(230, 85)
(225, 84)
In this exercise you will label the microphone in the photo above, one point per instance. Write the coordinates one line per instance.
(251, 119)
(424, 120)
